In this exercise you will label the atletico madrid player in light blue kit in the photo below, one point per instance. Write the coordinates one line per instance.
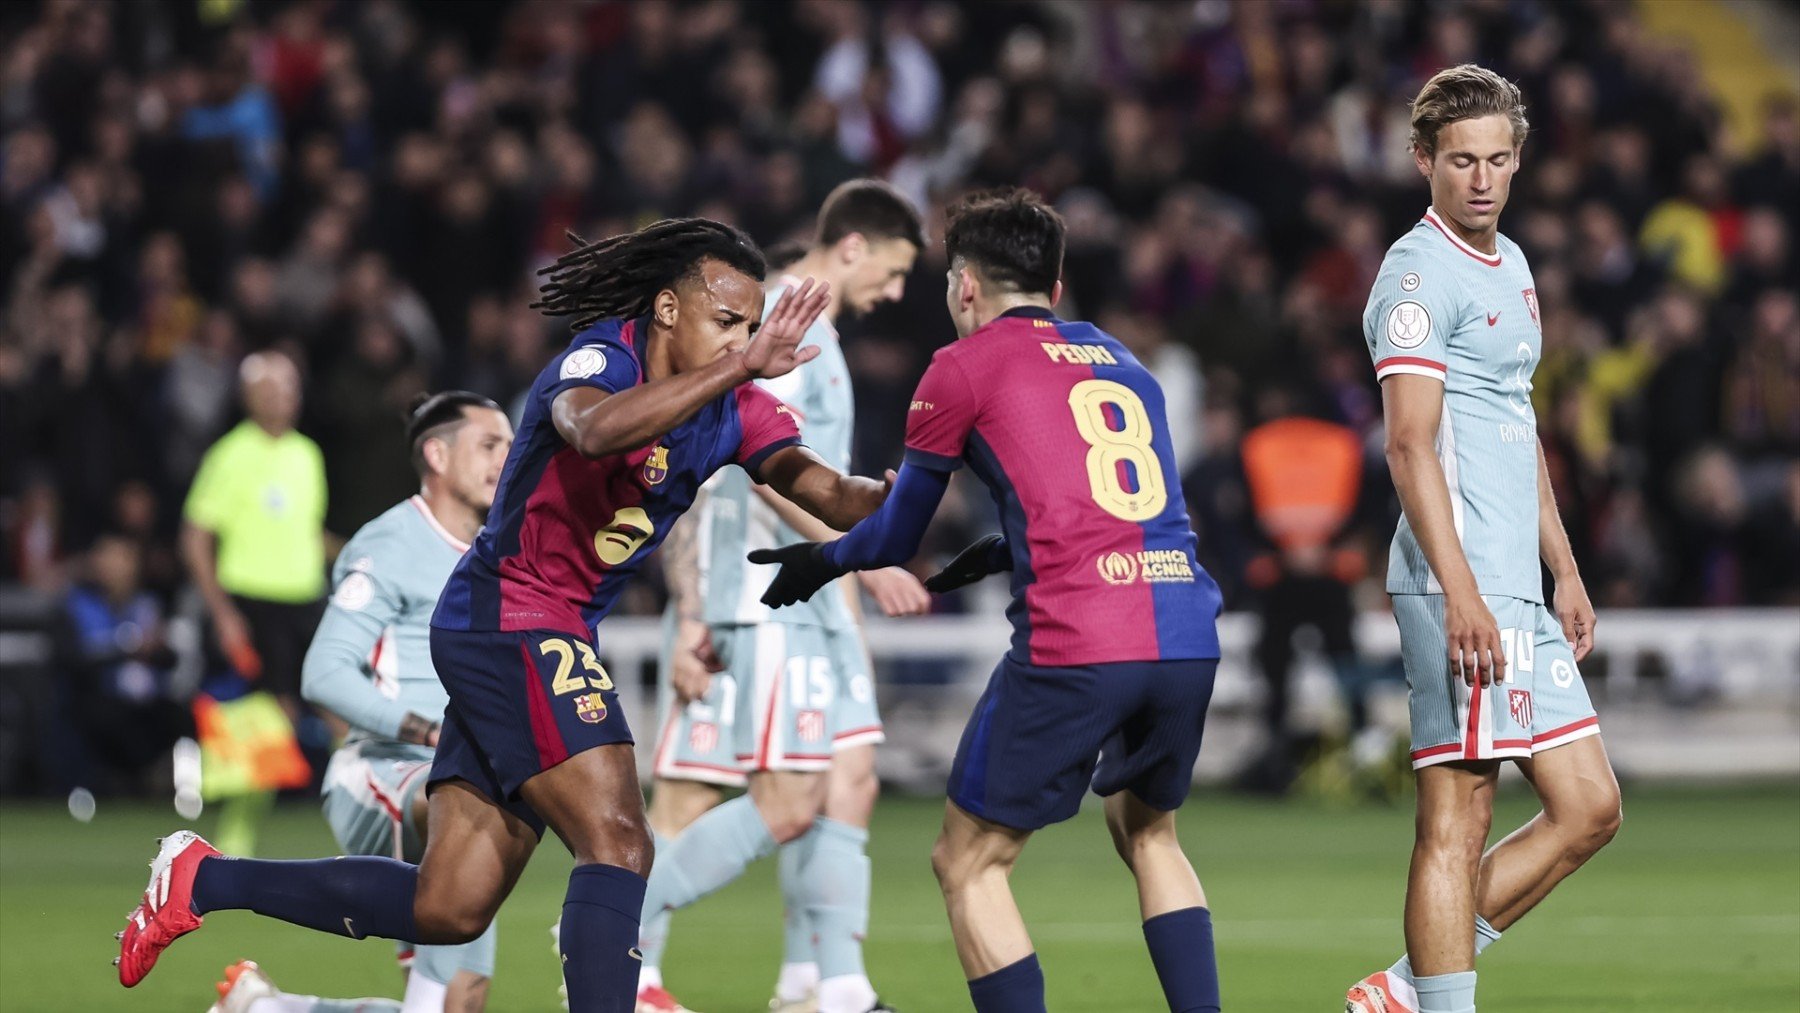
(1453, 325)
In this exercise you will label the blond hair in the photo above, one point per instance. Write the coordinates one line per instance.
(1465, 92)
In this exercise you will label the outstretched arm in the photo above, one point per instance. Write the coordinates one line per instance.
(889, 536)
(598, 423)
(898, 592)
(839, 500)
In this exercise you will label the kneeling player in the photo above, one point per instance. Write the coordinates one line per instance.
(1114, 647)
(370, 664)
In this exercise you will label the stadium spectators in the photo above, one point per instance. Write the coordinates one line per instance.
(367, 187)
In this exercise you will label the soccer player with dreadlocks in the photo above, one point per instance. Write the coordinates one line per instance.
(654, 394)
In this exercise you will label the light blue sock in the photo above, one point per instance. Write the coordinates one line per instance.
(797, 930)
(836, 883)
(710, 853)
(653, 934)
(1485, 936)
(313, 1004)
(1446, 993)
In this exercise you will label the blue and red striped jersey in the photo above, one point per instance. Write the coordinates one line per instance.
(1069, 433)
(566, 533)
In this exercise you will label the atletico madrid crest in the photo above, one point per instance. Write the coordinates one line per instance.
(1519, 703)
(703, 737)
(1531, 304)
(809, 726)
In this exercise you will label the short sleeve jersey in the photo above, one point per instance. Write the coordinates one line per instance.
(566, 534)
(1443, 309)
(736, 521)
(264, 497)
(377, 622)
(1069, 433)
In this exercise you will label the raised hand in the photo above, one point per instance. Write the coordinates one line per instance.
(775, 348)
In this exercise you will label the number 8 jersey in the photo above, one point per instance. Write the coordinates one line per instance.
(1443, 309)
(1068, 432)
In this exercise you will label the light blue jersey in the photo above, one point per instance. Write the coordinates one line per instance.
(1441, 308)
(734, 520)
(370, 661)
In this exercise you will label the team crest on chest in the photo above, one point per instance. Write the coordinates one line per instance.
(1531, 304)
(656, 466)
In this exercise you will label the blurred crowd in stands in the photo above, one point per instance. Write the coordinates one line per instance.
(368, 188)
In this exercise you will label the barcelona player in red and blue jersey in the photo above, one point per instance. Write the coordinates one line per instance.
(653, 395)
(1114, 648)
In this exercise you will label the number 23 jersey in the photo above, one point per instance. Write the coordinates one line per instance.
(1443, 309)
(1069, 433)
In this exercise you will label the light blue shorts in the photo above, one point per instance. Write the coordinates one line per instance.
(790, 696)
(370, 790)
(1541, 704)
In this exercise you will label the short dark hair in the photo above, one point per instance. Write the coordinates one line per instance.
(875, 208)
(438, 415)
(1011, 237)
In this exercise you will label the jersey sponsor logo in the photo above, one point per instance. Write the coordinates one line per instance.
(1408, 324)
(591, 708)
(1409, 282)
(582, 363)
(922, 406)
(354, 593)
(629, 529)
(656, 466)
(1518, 432)
(703, 737)
(809, 726)
(1151, 566)
(1518, 703)
(1562, 673)
(1532, 305)
(1520, 394)
(1078, 355)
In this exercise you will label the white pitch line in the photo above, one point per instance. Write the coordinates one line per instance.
(1277, 929)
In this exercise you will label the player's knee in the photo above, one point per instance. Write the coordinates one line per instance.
(788, 815)
(1600, 824)
(621, 839)
(1453, 835)
(450, 925)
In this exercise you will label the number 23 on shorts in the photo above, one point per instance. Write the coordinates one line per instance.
(567, 680)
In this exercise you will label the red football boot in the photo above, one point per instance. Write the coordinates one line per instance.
(166, 913)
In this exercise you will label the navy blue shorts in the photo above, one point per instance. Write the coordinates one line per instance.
(520, 703)
(1040, 736)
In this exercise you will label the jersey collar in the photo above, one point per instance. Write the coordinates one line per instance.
(1490, 259)
(456, 543)
(1038, 312)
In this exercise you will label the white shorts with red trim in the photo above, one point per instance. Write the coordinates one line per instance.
(370, 789)
(1541, 704)
(804, 693)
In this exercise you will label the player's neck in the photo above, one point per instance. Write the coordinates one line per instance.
(1485, 240)
(453, 515)
(818, 264)
(986, 311)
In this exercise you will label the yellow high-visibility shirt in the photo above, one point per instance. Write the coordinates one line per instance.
(264, 498)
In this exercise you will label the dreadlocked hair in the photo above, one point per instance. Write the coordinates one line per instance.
(621, 276)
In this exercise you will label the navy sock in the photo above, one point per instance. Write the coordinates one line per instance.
(1016, 988)
(1181, 947)
(600, 959)
(356, 897)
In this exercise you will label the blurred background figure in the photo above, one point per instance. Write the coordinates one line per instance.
(253, 539)
(118, 696)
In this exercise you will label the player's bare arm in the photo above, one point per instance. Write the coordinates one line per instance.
(1573, 609)
(693, 661)
(838, 500)
(199, 550)
(1412, 406)
(598, 424)
(898, 592)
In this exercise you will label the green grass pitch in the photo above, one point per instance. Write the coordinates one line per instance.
(1696, 906)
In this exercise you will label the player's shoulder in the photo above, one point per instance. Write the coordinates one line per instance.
(1417, 246)
(592, 349)
(388, 535)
